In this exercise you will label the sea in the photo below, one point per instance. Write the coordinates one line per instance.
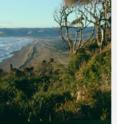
(9, 45)
(14, 39)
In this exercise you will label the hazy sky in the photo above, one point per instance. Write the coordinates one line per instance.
(27, 13)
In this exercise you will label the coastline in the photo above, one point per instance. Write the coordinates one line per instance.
(33, 54)
(18, 58)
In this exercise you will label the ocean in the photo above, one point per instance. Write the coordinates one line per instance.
(9, 45)
(14, 39)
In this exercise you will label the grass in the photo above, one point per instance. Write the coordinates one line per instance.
(80, 91)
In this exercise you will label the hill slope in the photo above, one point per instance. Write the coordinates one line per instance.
(82, 91)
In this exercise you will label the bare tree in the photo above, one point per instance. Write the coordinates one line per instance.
(66, 25)
(61, 17)
(98, 14)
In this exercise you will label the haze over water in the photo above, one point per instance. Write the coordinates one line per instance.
(8, 45)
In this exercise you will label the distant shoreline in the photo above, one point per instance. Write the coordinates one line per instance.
(17, 59)
(33, 54)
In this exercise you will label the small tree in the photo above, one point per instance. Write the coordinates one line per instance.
(98, 14)
(69, 24)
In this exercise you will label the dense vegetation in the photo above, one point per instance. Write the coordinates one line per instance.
(54, 92)
(79, 91)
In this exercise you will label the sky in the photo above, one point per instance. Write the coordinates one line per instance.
(28, 13)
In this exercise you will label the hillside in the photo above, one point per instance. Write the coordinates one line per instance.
(30, 32)
(42, 33)
(80, 91)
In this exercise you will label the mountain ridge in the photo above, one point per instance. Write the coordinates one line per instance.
(38, 32)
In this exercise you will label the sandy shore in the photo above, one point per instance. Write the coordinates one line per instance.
(33, 54)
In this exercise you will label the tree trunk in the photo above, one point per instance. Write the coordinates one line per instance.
(98, 37)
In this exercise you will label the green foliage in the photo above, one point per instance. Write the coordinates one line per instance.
(77, 60)
(53, 94)
(97, 69)
(100, 109)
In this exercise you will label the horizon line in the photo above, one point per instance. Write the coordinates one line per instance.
(27, 27)
(30, 27)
